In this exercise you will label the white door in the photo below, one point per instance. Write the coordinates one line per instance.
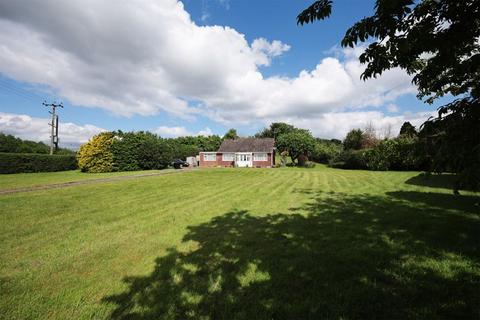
(244, 159)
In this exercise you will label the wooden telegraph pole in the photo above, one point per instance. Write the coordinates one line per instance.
(53, 125)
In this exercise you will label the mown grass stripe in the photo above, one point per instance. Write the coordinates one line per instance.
(297, 243)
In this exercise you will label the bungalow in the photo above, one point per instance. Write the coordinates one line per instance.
(241, 152)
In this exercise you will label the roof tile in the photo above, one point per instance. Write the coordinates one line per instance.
(248, 145)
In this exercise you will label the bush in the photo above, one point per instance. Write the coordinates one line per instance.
(309, 164)
(402, 153)
(349, 159)
(124, 150)
(302, 160)
(35, 162)
(96, 155)
(325, 151)
(140, 151)
(395, 154)
(153, 154)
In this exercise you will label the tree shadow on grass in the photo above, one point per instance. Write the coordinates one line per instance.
(466, 203)
(445, 181)
(339, 256)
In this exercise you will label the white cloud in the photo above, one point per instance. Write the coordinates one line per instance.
(172, 132)
(337, 124)
(37, 129)
(205, 132)
(146, 56)
(392, 107)
(266, 50)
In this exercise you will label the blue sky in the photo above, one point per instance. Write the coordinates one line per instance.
(194, 109)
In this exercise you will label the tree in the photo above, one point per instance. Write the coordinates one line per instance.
(353, 140)
(387, 131)
(408, 129)
(202, 143)
(275, 130)
(437, 43)
(325, 150)
(297, 143)
(11, 144)
(140, 151)
(210, 143)
(153, 152)
(369, 137)
(125, 150)
(96, 155)
(231, 134)
(182, 151)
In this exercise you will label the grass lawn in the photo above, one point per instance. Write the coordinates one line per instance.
(21, 180)
(283, 243)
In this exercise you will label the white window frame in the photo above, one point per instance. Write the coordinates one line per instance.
(206, 154)
(261, 156)
(230, 158)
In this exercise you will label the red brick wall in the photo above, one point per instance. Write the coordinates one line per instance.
(264, 164)
(220, 163)
(204, 163)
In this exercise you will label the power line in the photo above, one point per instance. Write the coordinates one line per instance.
(10, 84)
(19, 91)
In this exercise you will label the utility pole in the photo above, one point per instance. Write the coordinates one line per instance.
(53, 125)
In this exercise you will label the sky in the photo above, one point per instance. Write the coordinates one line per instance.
(196, 67)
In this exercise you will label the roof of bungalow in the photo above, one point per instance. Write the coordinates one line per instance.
(248, 145)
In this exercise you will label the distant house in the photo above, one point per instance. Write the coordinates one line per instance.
(241, 152)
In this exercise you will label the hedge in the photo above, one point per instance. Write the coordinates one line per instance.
(402, 153)
(350, 159)
(34, 162)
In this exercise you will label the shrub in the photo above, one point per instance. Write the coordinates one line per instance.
(402, 153)
(32, 162)
(309, 164)
(154, 153)
(395, 154)
(325, 151)
(96, 155)
(378, 158)
(124, 150)
(140, 151)
(349, 159)
(302, 160)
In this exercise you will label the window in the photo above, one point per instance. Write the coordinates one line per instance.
(228, 157)
(209, 157)
(243, 157)
(260, 157)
